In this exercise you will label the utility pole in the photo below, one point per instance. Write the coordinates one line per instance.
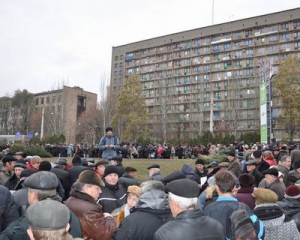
(42, 124)
(213, 12)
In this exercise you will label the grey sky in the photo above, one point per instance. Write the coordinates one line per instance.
(45, 42)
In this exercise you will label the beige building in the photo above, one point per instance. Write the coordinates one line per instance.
(63, 110)
(208, 78)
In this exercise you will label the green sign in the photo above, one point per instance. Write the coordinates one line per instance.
(263, 94)
(263, 134)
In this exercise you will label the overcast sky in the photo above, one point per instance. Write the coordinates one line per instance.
(44, 42)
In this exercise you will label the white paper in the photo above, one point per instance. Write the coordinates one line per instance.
(203, 180)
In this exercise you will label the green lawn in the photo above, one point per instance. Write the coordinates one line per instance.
(166, 165)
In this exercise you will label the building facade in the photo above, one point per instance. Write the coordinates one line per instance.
(63, 110)
(208, 78)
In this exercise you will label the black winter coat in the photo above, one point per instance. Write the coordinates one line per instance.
(64, 178)
(75, 171)
(191, 224)
(8, 209)
(142, 224)
(126, 180)
(151, 212)
(112, 197)
(291, 208)
(12, 182)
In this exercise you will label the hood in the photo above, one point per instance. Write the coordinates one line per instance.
(187, 169)
(153, 199)
(289, 206)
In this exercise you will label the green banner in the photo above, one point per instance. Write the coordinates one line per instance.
(263, 134)
(263, 94)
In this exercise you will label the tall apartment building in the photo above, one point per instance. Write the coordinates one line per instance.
(208, 78)
(62, 110)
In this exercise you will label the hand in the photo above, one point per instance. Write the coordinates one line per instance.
(111, 146)
(106, 146)
(107, 215)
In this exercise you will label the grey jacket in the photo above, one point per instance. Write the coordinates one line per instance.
(109, 153)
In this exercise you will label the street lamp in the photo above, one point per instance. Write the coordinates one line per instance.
(42, 124)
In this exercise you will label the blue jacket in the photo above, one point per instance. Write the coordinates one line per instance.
(222, 209)
(109, 153)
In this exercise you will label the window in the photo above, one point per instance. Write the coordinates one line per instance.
(296, 35)
(249, 42)
(197, 78)
(249, 52)
(273, 39)
(197, 51)
(297, 24)
(53, 99)
(238, 64)
(121, 57)
(227, 46)
(59, 98)
(116, 58)
(249, 62)
(284, 26)
(217, 66)
(187, 53)
(196, 69)
(273, 28)
(187, 44)
(151, 75)
(249, 72)
(248, 33)
(187, 62)
(285, 37)
(206, 68)
(37, 101)
(217, 48)
(207, 49)
(197, 42)
(186, 70)
(297, 45)
(42, 100)
(48, 100)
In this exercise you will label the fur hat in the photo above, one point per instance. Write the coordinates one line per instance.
(292, 191)
(246, 180)
(271, 171)
(90, 177)
(135, 190)
(110, 169)
(262, 195)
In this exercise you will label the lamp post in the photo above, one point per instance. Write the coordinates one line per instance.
(42, 124)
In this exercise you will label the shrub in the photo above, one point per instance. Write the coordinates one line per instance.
(39, 151)
(18, 147)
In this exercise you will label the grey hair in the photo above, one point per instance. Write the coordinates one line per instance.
(184, 203)
(152, 184)
(44, 194)
(284, 158)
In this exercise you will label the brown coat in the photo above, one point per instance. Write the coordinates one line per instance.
(93, 223)
(235, 167)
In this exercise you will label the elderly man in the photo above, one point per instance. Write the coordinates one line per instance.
(273, 182)
(129, 178)
(82, 201)
(251, 169)
(154, 172)
(19, 166)
(109, 144)
(8, 167)
(234, 163)
(41, 186)
(284, 166)
(188, 223)
(113, 194)
(100, 166)
(261, 164)
(48, 218)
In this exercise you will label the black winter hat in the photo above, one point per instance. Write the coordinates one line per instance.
(45, 166)
(183, 188)
(8, 158)
(200, 161)
(271, 171)
(90, 177)
(297, 164)
(153, 166)
(130, 169)
(231, 153)
(20, 163)
(27, 173)
(111, 169)
(173, 176)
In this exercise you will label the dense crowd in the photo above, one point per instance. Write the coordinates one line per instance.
(253, 194)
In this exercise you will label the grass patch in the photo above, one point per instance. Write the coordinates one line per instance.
(166, 165)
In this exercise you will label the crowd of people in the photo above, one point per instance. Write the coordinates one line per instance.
(254, 194)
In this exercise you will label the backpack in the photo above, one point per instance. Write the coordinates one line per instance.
(242, 227)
